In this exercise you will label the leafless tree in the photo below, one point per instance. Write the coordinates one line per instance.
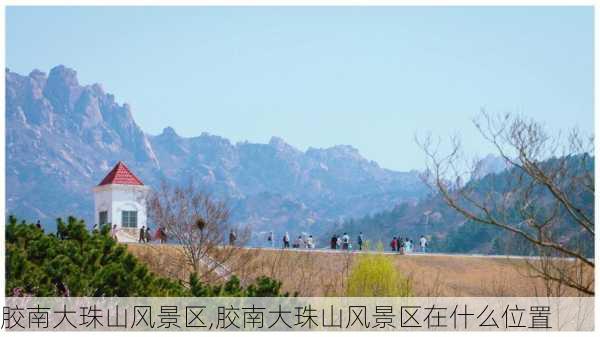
(547, 201)
(200, 224)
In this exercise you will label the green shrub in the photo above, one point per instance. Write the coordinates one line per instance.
(374, 275)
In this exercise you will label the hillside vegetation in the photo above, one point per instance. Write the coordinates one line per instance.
(75, 262)
(448, 231)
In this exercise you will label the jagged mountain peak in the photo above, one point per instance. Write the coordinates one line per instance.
(169, 132)
(337, 152)
(38, 75)
(490, 164)
(281, 146)
(277, 141)
(63, 76)
(61, 134)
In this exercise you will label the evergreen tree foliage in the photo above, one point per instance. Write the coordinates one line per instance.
(75, 262)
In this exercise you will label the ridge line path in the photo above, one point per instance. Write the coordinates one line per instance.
(341, 251)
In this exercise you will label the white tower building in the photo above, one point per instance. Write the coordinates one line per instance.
(120, 199)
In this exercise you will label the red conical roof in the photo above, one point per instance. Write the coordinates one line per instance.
(120, 175)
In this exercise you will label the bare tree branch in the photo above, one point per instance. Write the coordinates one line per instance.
(549, 185)
(200, 224)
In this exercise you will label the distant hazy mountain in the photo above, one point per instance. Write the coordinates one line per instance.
(488, 165)
(448, 231)
(63, 137)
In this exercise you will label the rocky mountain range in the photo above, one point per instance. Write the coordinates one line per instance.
(62, 137)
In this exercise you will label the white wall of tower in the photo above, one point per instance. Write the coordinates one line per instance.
(115, 199)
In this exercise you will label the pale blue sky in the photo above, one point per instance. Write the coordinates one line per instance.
(321, 76)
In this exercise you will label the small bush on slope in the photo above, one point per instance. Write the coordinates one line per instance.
(374, 275)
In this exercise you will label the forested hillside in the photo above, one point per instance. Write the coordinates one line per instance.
(448, 231)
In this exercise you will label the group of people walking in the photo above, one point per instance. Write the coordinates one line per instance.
(144, 235)
(398, 244)
(303, 241)
(160, 234)
(407, 246)
(343, 242)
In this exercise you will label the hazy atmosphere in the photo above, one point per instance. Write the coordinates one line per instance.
(318, 77)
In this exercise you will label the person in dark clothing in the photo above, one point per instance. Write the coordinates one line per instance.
(270, 239)
(147, 235)
(333, 241)
(142, 237)
(232, 237)
(393, 244)
(360, 241)
(39, 226)
(163, 235)
(286, 240)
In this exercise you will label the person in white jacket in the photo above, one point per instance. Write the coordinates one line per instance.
(310, 244)
(408, 246)
(345, 241)
(423, 243)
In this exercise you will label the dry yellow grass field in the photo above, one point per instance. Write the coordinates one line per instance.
(324, 274)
